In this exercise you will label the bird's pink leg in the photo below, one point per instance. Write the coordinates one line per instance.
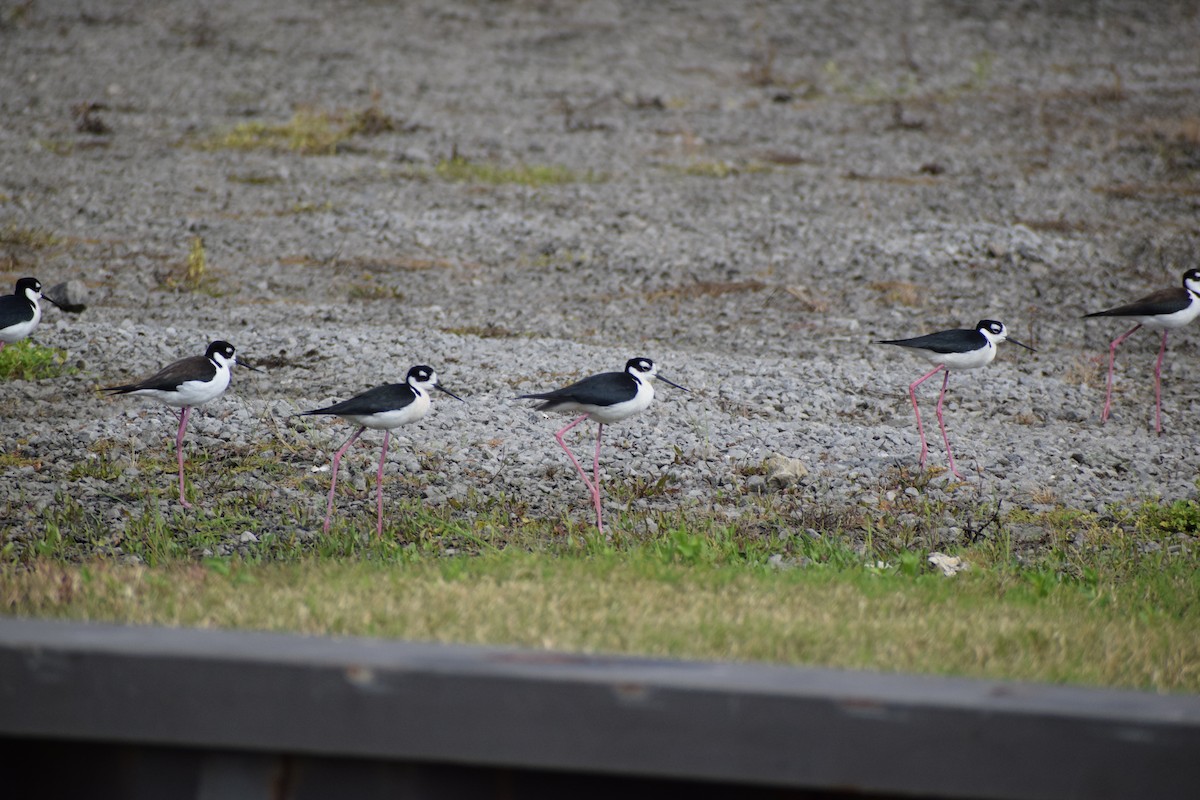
(570, 455)
(1112, 357)
(596, 479)
(183, 418)
(337, 459)
(1158, 386)
(379, 484)
(912, 393)
(942, 424)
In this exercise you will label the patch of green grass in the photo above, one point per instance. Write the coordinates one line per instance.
(786, 579)
(27, 361)
(456, 168)
(11, 457)
(562, 258)
(193, 274)
(1179, 516)
(368, 288)
(310, 131)
(59, 147)
(196, 268)
(99, 465)
(674, 596)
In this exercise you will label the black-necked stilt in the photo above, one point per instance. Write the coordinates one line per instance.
(952, 350)
(191, 381)
(1164, 311)
(382, 408)
(21, 311)
(606, 398)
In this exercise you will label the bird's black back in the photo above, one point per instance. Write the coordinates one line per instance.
(170, 377)
(389, 397)
(1160, 303)
(604, 389)
(959, 340)
(15, 308)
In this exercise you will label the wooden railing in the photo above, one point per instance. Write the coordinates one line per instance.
(97, 710)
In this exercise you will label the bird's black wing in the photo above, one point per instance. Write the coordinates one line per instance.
(603, 389)
(960, 340)
(170, 377)
(1160, 303)
(14, 309)
(389, 397)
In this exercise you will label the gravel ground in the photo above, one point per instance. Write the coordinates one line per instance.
(766, 189)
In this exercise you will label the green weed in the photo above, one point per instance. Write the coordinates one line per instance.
(458, 169)
(309, 132)
(27, 361)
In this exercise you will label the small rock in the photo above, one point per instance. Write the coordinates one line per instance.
(949, 565)
(783, 472)
(71, 296)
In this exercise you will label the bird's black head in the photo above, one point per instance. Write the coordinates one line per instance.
(28, 285)
(1191, 280)
(421, 374)
(423, 377)
(991, 326)
(220, 348)
(641, 366)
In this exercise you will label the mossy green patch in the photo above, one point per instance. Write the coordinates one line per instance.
(27, 361)
(310, 131)
(457, 168)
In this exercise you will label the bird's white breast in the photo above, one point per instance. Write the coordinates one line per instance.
(192, 393)
(1169, 322)
(972, 360)
(386, 420)
(606, 415)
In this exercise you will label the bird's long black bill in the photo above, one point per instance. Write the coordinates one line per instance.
(1020, 344)
(242, 363)
(672, 383)
(447, 391)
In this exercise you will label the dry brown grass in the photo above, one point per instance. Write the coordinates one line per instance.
(1086, 371)
(691, 291)
(900, 293)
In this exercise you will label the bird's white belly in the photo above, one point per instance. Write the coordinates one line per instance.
(606, 415)
(969, 360)
(386, 420)
(15, 333)
(960, 361)
(1169, 322)
(190, 393)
